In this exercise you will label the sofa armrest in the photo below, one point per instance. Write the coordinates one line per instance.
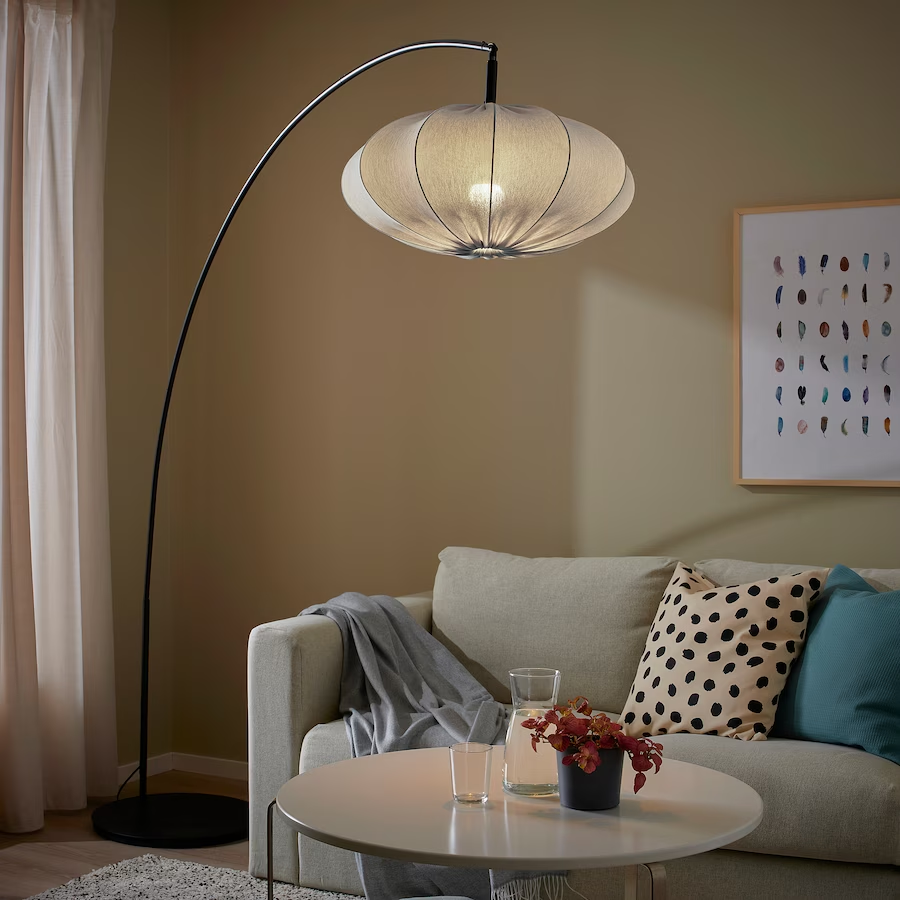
(293, 684)
(419, 606)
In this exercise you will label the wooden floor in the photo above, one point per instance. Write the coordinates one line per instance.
(67, 846)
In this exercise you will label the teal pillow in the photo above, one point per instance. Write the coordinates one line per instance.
(845, 687)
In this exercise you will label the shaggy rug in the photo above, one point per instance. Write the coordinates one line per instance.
(157, 878)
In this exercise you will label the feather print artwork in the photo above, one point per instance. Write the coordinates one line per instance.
(846, 363)
(884, 364)
(887, 261)
(865, 395)
(801, 328)
(865, 424)
(802, 426)
(845, 328)
(801, 296)
(844, 427)
(866, 261)
(801, 265)
(778, 330)
(822, 294)
(824, 329)
(825, 395)
(865, 362)
(824, 424)
(886, 329)
(778, 295)
(887, 393)
(865, 328)
(801, 393)
(865, 295)
(780, 425)
(823, 262)
(844, 292)
(779, 364)
(777, 264)
(888, 290)
(822, 362)
(887, 425)
(845, 395)
(778, 394)
(845, 263)
(801, 362)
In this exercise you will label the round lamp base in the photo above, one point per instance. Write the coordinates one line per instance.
(173, 820)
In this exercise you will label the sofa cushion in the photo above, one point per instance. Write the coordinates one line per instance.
(820, 801)
(323, 866)
(844, 689)
(737, 571)
(325, 744)
(587, 617)
(717, 658)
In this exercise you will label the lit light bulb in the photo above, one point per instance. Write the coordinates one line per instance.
(480, 194)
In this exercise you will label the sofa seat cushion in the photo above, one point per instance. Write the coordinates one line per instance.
(587, 617)
(821, 801)
(325, 744)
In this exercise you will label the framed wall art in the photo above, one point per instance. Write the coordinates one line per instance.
(817, 344)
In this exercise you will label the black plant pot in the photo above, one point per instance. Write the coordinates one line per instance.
(599, 790)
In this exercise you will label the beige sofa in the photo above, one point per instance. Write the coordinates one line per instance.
(831, 827)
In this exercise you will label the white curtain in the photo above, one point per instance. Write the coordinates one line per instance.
(57, 703)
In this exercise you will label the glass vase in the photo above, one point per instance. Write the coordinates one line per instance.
(527, 772)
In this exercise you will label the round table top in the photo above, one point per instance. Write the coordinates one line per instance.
(399, 805)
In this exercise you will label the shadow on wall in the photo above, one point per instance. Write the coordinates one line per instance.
(652, 413)
(701, 533)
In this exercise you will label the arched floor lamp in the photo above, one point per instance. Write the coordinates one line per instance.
(479, 182)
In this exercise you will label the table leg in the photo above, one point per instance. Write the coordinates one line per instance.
(645, 882)
(271, 882)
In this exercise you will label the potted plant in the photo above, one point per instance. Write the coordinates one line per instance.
(590, 752)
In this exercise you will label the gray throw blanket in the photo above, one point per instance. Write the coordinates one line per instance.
(402, 689)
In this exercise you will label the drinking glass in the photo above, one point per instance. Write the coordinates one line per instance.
(470, 771)
(526, 771)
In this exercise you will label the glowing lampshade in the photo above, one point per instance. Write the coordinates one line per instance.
(488, 181)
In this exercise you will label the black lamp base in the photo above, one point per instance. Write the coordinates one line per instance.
(173, 820)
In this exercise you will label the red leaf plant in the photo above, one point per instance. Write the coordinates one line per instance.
(582, 732)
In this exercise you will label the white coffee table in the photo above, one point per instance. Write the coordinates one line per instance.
(399, 805)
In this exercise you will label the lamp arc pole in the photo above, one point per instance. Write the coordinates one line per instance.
(198, 820)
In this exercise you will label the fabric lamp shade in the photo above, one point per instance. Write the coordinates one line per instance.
(488, 181)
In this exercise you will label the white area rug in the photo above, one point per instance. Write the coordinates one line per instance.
(157, 878)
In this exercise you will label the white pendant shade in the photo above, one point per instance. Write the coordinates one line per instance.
(488, 181)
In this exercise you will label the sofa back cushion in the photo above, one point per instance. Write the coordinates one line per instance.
(738, 571)
(587, 617)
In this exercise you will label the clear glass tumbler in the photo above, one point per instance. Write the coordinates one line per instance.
(470, 771)
(526, 772)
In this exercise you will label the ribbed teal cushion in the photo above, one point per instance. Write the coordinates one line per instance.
(845, 687)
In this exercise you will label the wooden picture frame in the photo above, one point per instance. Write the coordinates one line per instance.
(817, 344)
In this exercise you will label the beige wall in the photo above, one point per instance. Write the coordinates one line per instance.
(137, 354)
(348, 406)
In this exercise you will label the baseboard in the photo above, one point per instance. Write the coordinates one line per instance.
(209, 765)
(188, 762)
(156, 765)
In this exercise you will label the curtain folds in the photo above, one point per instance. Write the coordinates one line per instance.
(57, 704)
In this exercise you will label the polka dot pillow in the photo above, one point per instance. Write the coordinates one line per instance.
(717, 658)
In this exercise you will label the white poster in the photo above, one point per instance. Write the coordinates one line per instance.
(818, 344)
